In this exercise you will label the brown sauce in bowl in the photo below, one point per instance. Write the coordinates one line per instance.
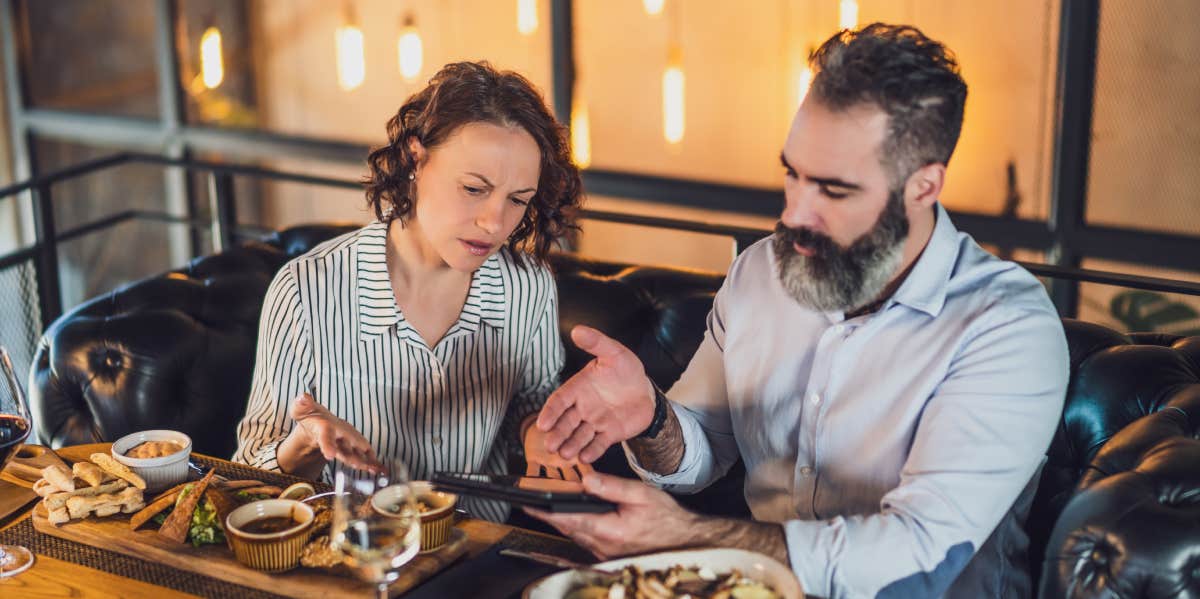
(266, 526)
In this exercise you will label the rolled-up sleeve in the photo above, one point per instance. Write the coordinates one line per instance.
(982, 436)
(283, 369)
(701, 405)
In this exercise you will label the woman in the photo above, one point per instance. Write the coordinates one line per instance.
(430, 335)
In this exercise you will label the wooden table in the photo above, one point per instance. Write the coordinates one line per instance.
(55, 578)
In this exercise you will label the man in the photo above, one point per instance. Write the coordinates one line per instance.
(891, 387)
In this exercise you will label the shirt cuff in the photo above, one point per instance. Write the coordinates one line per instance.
(811, 546)
(689, 466)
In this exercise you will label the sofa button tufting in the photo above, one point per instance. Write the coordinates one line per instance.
(1100, 557)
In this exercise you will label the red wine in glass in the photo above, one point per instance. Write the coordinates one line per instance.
(13, 431)
(15, 426)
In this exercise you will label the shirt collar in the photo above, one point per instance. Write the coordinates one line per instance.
(486, 301)
(925, 287)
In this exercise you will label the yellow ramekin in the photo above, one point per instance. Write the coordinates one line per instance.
(270, 552)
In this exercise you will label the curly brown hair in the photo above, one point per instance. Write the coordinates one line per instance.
(468, 92)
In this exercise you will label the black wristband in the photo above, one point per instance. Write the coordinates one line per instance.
(660, 415)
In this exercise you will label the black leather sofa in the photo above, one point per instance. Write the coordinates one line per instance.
(1117, 513)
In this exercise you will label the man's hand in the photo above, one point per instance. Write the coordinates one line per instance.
(539, 458)
(646, 519)
(318, 431)
(608, 401)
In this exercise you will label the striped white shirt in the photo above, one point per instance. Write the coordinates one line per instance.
(330, 326)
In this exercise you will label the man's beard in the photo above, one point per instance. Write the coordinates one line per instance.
(841, 279)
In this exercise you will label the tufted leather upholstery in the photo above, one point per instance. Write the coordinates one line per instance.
(1123, 499)
(1114, 512)
(174, 351)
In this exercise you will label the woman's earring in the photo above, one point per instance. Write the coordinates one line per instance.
(412, 176)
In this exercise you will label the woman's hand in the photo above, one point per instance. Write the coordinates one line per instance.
(318, 437)
(539, 458)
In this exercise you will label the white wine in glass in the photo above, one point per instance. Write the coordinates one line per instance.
(15, 425)
(376, 524)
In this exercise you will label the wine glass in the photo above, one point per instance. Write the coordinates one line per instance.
(376, 524)
(15, 425)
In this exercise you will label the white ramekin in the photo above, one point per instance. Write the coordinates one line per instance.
(159, 473)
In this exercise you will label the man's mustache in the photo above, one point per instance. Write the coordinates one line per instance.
(821, 245)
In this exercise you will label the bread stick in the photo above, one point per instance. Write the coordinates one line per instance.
(102, 505)
(89, 473)
(58, 516)
(118, 469)
(57, 500)
(107, 509)
(60, 477)
(160, 503)
(44, 488)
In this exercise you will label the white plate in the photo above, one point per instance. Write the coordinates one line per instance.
(752, 565)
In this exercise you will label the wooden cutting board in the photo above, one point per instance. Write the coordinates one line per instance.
(30, 459)
(14, 497)
(216, 561)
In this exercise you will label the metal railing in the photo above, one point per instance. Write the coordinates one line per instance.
(225, 229)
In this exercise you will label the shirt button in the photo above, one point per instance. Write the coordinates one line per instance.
(814, 398)
(437, 440)
(806, 471)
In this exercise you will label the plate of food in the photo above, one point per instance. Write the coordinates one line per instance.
(697, 573)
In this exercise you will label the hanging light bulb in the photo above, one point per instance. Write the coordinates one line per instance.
(581, 134)
(351, 61)
(848, 15)
(410, 49)
(673, 91)
(653, 7)
(212, 67)
(527, 16)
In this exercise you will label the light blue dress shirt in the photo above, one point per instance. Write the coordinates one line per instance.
(893, 445)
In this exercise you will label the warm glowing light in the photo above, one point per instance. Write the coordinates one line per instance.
(527, 16)
(848, 15)
(673, 91)
(411, 51)
(581, 134)
(653, 7)
(351, 62)
(212, 68)
(803, 84)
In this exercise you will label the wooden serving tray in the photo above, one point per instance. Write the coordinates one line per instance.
(217, 561)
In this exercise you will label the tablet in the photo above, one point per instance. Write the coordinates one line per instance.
(546, 494)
